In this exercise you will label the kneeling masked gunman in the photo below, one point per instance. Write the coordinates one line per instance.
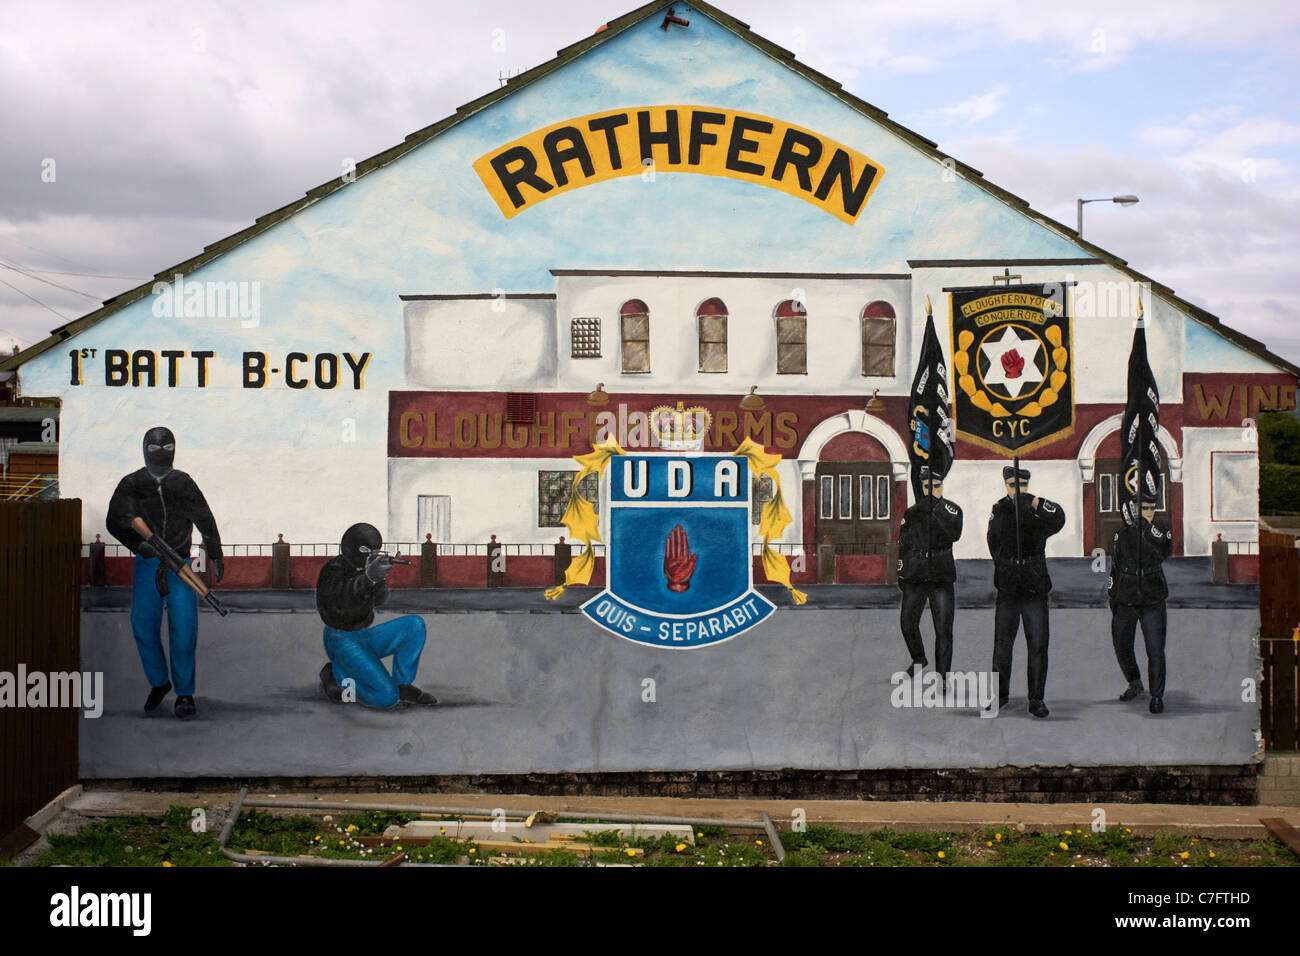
(926, 572)
(1137, 592)
(348, 590)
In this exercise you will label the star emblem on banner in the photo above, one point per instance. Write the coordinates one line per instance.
(1013, 362)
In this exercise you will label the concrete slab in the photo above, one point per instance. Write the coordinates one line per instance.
(1145, 819)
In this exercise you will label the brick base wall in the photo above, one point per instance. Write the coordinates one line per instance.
(1209, 785)
(1279, 781)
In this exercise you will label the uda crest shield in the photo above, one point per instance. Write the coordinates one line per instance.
(679, 555)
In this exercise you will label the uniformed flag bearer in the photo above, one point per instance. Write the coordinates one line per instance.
(1137, 592)
(1017, 543)
(926, 571)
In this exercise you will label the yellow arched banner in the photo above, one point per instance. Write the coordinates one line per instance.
(679, 139)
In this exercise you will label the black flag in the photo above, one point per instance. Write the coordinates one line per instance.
(928, 421)
(1139, 430)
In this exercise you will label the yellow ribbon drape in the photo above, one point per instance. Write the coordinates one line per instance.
(580, 517)
(775, 517)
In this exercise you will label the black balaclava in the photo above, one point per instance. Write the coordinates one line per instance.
(159, 460)
(355, 538)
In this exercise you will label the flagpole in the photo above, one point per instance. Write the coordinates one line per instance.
(1137, 504)
(1015, 477)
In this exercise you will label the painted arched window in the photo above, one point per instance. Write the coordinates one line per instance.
(879, 329)
(634, 323)
(791, 338)
(711, 318)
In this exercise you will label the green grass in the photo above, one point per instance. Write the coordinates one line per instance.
(158, 840)
(136, 841)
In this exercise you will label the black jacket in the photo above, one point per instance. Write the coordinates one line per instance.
(1036, 526)
(925, 542)
(172, 508)
(1126, 586)
(345, 597)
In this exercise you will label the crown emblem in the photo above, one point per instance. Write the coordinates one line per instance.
(680, 428)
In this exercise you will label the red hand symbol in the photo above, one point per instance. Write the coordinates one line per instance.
(1012, 363)
(679, 563)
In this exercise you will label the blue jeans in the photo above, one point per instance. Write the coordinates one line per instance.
(182, 626)
(359, 655)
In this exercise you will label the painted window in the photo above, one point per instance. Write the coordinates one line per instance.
(791, 338)
(874, 497)
(711, 317)
(634, 320)
(879, 329)
(762, 495)
(553, 489)
(584, 335)
(826, 497)
(1106, 494)
(846, 497)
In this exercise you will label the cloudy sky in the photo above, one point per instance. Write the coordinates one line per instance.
(167, 126)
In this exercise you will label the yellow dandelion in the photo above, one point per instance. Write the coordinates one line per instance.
(1063, 845)
(168, 863)
(1067, 833)
(1183, 855)
(473, 850)
(941, 854)
(998, 837)
(989, 843)
(758, 843)
(340, 842)
(631, 852)
(399, 848)
(1211, 854)
(680, 847)
(700, 834)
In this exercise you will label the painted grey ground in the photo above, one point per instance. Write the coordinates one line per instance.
(550, 692)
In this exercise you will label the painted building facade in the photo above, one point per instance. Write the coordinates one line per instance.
(663, 214)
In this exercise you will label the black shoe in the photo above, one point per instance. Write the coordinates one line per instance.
(915, 666)
(410, 694)
(1038, 708)
(156, 696)
(329, 685)
(184, 707)
(1157, 705)
(1134, 688)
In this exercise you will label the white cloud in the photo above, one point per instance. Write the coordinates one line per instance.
(978, 107)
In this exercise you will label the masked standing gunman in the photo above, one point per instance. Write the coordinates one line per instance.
(926, 572)
(1137, 592)
(1018, 542)
(172, 505)
(348, 590)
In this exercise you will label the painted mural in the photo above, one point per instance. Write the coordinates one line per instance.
(581, 376)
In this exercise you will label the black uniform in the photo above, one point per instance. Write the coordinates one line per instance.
(926, 573)
(172, 506)
(1022, 588)
(1138, 596)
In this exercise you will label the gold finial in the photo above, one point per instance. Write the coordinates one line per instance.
(927, 307)
(1139, 305)
(874, 404)
(599, 396)
(753, 401)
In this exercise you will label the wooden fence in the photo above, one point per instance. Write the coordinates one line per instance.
(1279, 615)
(40, 629)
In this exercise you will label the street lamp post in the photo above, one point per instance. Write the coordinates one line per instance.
(1122, 200)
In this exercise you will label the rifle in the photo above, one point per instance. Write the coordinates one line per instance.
(177, 565)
